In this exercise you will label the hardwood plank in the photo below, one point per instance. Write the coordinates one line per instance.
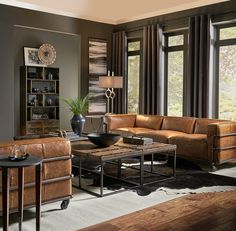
(205, 211)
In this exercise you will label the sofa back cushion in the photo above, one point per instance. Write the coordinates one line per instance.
(43, 147)
(182, 124)
(120, 121)
(149, 121)
(202, 123)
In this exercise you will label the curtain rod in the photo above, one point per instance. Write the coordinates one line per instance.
(140, 28)
(175, 30)
(231, 21)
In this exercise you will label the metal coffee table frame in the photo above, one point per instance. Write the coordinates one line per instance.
(135, 151)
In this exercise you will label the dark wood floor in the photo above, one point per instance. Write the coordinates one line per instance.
(200, 212)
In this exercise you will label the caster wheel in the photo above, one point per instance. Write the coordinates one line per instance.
(64, 204)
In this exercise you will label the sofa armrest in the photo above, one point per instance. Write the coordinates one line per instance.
(221, 139)
(115, 121)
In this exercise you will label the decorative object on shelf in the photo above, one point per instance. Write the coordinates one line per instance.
(49, 102)
(77, 106)
(97, 57)
(31, 57)
(40, 116)
(103, 139)
(110, 82)
(45, 89)
(47, 54)
(50, 76)
(31, 103)
(35, 89)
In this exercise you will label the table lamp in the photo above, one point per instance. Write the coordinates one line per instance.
(110, 82)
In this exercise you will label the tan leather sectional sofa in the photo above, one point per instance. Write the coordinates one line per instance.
(56, 171)
(207, 140)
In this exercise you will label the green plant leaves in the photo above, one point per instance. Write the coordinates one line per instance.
(78, 105)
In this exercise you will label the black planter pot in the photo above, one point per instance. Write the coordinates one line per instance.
(77, 124)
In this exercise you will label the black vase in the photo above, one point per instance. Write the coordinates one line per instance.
(77, 124)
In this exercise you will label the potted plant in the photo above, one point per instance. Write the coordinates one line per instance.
(78, 107)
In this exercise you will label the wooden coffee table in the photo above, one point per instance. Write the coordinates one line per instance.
(87, 150)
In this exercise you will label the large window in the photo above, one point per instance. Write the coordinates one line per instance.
(133, 75)
(226, 72)
(175, 54)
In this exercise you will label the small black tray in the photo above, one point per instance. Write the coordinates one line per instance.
(13, 158)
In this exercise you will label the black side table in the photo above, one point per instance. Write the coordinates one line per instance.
(5, 164)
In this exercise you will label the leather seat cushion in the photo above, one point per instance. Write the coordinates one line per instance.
(191, 145)
(161, 135)
(131, 131)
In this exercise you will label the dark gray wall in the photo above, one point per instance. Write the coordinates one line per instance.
(67, 60)
(6, 81)
(14, 37)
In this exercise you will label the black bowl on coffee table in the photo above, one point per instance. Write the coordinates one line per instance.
(103, 139)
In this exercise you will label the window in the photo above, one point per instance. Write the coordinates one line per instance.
(226, 72)
(133, 75)
(175, 54)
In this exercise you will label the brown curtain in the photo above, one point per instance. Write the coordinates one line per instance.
(152, 86)
(197, 82)
(119, 66)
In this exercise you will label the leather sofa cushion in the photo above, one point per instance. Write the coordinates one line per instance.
(44, 147)
(120, 120)
(149, 121)
(181, 124)
(129, 131)
(201, 125)
(161, 135)
(191, 145)
(30, 141)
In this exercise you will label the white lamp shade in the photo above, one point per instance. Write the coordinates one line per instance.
(111, 81)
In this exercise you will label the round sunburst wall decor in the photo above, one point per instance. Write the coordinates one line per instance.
(47, 54)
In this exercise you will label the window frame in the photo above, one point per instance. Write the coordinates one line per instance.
(219, 43)
(168, 49)
(135, 53)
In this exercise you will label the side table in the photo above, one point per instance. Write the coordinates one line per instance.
(5, 164)
(101, 123)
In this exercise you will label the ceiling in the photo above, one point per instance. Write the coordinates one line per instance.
(109, 11)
